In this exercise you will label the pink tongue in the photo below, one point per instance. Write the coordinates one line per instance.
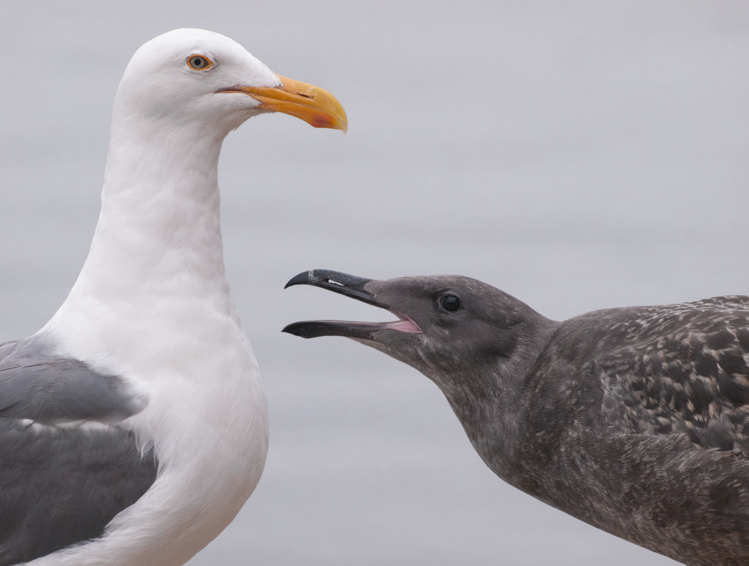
(404, 326)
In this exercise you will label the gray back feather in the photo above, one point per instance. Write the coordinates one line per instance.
(36, 384)
(62, 485)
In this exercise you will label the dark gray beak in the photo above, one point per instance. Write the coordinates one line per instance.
(350, 286)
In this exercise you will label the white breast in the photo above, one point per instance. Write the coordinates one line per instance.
(152, 305)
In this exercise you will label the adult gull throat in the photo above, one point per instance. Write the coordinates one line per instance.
(133, 425)
(634, 420)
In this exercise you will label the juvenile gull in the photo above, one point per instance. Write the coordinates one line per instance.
(634, 420)
(133, 426)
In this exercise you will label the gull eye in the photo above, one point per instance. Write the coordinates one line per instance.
(199, 62)
(450, 303)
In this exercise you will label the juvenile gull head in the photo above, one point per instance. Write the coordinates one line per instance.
(448, 325)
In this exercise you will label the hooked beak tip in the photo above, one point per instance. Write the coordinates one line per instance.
(301, 279)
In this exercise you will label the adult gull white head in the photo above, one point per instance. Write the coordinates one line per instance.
(133, 425)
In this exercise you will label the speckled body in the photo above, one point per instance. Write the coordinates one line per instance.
(633, 420)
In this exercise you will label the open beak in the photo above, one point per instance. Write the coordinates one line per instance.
(350, 286)
(314, 105)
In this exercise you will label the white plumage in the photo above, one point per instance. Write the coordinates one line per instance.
(152, 304)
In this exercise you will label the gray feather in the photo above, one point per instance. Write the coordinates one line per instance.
(64, 477)
(39, 385)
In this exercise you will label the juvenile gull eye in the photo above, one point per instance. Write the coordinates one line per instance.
(450, 303)
(199, 62)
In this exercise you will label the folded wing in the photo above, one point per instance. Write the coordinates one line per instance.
(682, 369)
(67, 467)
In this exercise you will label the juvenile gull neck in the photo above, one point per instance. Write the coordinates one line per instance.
(490, 399)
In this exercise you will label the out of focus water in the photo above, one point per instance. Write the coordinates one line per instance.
(578, 155)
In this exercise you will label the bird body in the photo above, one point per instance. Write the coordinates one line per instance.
(153, 295)
(134, 423)
(632, 420)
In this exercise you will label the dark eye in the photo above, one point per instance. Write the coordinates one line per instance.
(450, 303)
(199, 62)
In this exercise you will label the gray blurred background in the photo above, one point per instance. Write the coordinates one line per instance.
(578, 155)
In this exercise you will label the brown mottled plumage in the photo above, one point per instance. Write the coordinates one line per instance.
(634, 420)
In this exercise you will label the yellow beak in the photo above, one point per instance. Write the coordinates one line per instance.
(312, 104)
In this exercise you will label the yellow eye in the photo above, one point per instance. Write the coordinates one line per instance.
(199, 62)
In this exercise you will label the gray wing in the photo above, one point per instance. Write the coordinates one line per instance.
(681, 369)
(65, 475)
(39, 385)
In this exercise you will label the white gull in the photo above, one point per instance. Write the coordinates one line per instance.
(133, 425)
